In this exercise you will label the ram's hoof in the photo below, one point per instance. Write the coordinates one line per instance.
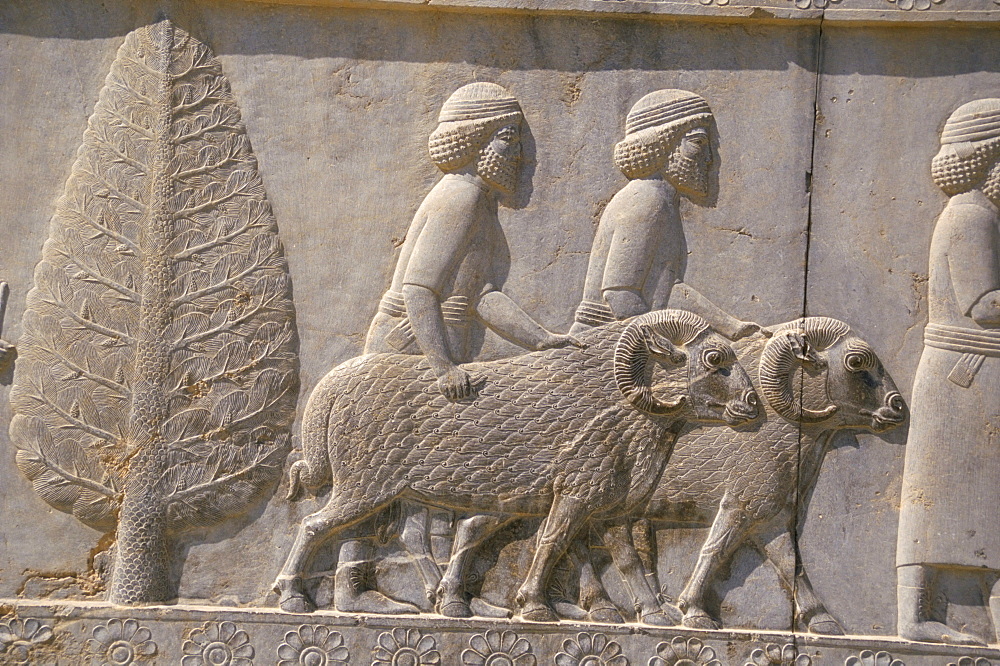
(699, 620)
(607, 615)
(672, 612)
(293, 602)
(455, 608)
(538, 614)
(823, 623)
(657, 619)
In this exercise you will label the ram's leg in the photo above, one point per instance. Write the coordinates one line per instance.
(644, 537)
(594, 598)
(353, 589)
(778, 546)
(314, 530)
(565, 518)
(469, 533)
(618, 540)
(729, 529)
(416, 540)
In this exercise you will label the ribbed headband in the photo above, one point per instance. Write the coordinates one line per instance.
(478, 101)
(663, 107)
(974, 121)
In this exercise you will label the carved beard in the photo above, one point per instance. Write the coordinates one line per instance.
(686, 174)
(991, 188)
(498, 170)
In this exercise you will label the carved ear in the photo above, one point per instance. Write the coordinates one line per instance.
(777, 365)
(663, 348)
(803, 351)
(656, 334)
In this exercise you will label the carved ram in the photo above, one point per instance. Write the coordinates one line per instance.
(748, 482)
(568, 434)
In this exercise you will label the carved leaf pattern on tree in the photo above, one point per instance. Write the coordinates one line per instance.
(158, 367)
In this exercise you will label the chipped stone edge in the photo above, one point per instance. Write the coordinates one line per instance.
(65, 610)
(763, 11)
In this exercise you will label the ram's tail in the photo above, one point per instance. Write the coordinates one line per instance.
(313, 471)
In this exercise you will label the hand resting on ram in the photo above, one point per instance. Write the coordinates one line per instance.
(567, 434)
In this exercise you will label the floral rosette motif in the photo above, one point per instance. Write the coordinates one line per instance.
(18, 636)
(778, 655)
(120, 643)
(869, 658)
(972, 661)
(313, 645)
(815, 4)
(498, 649)
(218, 644)
(405, 647)
(718, 2)
(591, 650)
(919, 5)
(681, 652)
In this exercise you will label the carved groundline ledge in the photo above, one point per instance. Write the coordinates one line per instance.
(898, 13)
(255, 635)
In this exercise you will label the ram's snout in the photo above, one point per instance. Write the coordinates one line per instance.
(743, 409)
(890, 414)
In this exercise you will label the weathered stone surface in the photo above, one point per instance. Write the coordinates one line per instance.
(813, 124)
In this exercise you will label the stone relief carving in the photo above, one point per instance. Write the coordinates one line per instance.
(948, 508)
(447, 283)
(158, 370)
(870, 658)
(121, 643)
(681, 652)
(496, 647)
(778, 655)
(18, 639)
(405, 646)
(589, 649)
(313, 644)
(748, 483)
(218, 643)
(7, 350)
(919, 5)
(521, 448)
(638, 257)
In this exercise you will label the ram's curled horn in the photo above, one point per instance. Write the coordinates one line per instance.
(632, 373)
(781, 355)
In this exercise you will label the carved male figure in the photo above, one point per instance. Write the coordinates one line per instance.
(951, 478)
(638, 256)
(451, 264)
(449, 273)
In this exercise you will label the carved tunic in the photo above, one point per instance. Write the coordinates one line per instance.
(454, 247)
(639, 246)
(951, 480)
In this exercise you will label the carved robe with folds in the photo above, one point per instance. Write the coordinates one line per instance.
(951, 481)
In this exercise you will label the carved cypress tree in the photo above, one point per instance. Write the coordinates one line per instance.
(158, 372)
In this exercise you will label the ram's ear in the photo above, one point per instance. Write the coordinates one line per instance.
(663, 348)
(804, 351)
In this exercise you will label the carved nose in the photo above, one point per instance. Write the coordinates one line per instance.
(895, 405)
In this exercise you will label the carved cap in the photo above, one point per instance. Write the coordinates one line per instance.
(665, 107)
(478, 101)
(974, 121)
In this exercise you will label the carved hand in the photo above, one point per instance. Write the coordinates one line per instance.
(7, 353)
(744, 329)
(555, 340)
(456, 384)
(986, 311)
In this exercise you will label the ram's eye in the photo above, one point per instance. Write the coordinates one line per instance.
(713, 358)
(854, 362)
